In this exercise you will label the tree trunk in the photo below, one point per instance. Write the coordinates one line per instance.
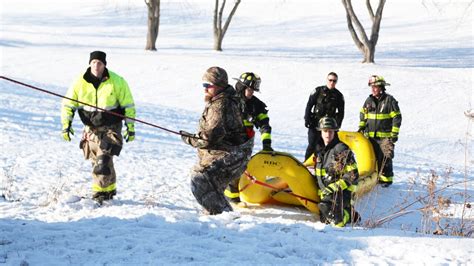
(369, 55)
(219, 31)
(218, 43)
(153, 24)
(365, 44)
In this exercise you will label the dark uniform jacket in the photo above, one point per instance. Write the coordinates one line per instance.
(256, 114)
(324, 101)
(336, 167)
(380, 118)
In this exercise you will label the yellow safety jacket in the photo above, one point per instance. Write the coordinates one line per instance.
(111, 93)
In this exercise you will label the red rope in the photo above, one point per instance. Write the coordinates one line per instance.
(258, 182)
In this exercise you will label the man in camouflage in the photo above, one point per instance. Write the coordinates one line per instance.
(224, 148)
(101, 138)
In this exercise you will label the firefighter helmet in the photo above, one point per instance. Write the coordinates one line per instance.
(250, 80)
(375, 80)
(327, 122)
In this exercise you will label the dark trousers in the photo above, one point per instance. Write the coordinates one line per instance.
(314, 142)
(332, 206)
(385, 168)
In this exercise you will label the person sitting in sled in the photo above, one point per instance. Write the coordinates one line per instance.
(336, 174)
(255, 114)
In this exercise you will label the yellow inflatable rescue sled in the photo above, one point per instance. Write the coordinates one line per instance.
(281, 177)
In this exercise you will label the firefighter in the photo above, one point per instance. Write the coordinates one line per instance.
(224, 148)
(380, 121)
(323, 101)
(102, 138)
(255, 114)
(337, 175)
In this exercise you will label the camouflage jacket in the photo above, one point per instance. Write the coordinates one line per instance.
(221, 128)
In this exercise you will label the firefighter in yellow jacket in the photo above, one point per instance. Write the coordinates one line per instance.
(102, 138)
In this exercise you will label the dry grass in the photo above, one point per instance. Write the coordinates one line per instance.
(443, 211)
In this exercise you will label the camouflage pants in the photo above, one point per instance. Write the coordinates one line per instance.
(99, 145)
(208, 183)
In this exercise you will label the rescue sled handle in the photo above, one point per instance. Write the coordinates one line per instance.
(98, 108)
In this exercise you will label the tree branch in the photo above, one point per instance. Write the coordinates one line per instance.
(229, 18)
(352, 18)
(371, 11)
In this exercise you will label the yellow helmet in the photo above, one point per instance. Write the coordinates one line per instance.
(375, 80)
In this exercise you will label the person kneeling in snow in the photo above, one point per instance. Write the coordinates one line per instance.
(102, 138)
(336, 173)
(224, 148)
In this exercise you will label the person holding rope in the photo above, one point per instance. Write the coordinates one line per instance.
(337, 175)
(380, 121)
(224, 148)
(102, 138)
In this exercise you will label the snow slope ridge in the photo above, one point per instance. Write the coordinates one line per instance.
(48, 218)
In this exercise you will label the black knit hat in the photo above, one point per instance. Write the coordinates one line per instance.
(99, 55)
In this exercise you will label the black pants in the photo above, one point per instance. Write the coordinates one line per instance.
(332, 206)
(387, 166)
(314, 142)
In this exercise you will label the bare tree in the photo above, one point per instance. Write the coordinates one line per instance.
(365, 44)
(153, 23)
(220, 31)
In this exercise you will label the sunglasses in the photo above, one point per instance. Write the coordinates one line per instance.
(207, 85)
(333, 80)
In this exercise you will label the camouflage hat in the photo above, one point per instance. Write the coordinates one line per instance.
(216, 76)
(327, 123)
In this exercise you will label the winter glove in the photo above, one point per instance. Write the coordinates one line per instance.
(327, 191)
(267, 146)
(129, 134)
(308, 123)
(186, 136)
(361, 130)
(67, 131)
(394, 139)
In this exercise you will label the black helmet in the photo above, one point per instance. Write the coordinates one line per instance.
(327, 123)
(250, 80)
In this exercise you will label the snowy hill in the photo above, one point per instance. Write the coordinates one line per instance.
(425, 51)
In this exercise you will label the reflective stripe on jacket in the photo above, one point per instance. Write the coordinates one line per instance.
(256, 114)
(112, 94)
(380, 118)
(336, 167)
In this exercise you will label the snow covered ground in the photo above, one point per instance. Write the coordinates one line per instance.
(425, 51)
